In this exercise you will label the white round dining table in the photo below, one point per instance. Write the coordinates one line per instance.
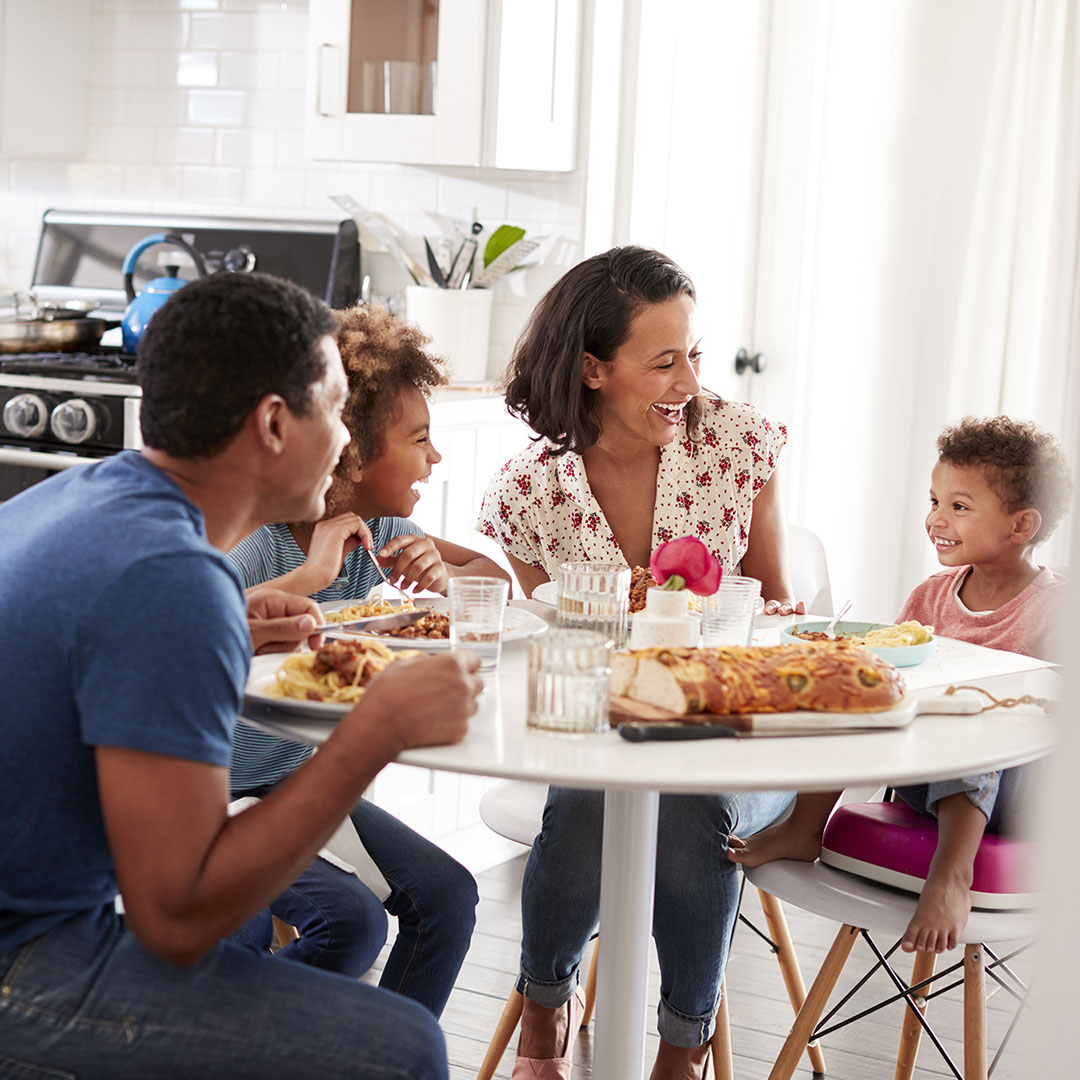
(633, 774)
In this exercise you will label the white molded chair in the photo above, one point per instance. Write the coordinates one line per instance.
(515, 809)
(809, 570)
(864, 908)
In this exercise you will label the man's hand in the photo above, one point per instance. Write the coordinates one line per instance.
(414, 560)
(421, 701)
(331, 541)
(280, 621)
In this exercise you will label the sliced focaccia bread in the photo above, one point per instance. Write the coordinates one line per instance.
(827, 677)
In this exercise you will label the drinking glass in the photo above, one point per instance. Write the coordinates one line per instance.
(594, 596)
(727, 617)
(477, 609)
(569, 678)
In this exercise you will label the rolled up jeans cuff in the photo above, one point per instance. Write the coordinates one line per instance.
(549, 995)
(678, 1029)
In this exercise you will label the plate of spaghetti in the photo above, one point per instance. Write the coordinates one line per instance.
(323, 683)
(431, 633)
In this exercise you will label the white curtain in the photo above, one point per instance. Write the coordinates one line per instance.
(1017, 343)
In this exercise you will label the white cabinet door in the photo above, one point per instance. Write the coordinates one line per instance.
(468, 82)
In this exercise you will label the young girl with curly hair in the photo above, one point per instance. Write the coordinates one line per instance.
(341, 920)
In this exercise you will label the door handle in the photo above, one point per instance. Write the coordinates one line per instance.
(756, 363)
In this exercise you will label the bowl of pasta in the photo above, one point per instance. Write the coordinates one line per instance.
(903, 645)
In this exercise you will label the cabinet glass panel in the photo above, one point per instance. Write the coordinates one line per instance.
(393, 57)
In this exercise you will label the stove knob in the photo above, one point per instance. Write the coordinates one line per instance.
(26, 415)
(239, 260)
(75, 421)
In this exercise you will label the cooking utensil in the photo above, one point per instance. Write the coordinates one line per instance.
(385, 576)
(463, 261)
(509, 260)
(394, 621)
(142, 306)
(433, 266)
(27, 326)
(830, 630)
(387, 234)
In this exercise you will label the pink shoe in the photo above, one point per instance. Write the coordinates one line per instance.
(558, 1068)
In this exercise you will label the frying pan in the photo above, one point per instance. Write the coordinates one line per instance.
(27, 326)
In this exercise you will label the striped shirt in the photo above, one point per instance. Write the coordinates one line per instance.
(260, 760)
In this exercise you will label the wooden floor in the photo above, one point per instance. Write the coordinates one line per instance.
(760, 1013)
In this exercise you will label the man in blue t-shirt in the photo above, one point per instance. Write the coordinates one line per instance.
(124, 647)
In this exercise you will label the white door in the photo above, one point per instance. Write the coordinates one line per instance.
(811, 163)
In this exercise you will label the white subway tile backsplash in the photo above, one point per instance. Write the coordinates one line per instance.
(158, 31)
(157, 107)
(242, 147)
(270, 188)
(321, 185)
(221, 30)
(185, 146)
(127, 68)
(153, 182)
(279, 30)
(246, 70)
(94, 180)
(292, 74)
(466, 198)
(216, 108)
(282, 110)
(37, 177)
(213, 184)
(106, 104)
(198, 69)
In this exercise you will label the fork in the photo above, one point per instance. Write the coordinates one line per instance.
(831, 628)
(383, 576)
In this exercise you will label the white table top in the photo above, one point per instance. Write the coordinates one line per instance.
(932, 747)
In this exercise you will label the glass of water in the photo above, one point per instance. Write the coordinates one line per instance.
(727, 617)
(477, 610)
(595, 596)
(569, 678)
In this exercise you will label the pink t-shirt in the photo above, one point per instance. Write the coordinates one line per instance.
(540, 507)
(1023, 625)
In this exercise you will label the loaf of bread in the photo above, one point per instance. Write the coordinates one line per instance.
(826, 677)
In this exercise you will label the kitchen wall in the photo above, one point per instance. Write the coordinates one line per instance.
(198, 105)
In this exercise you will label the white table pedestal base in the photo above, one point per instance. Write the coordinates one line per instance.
(627, 876)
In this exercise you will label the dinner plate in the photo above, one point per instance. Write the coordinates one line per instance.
(518, 624)
(256, 700)
(898, 656)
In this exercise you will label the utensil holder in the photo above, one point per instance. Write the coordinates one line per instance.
(458, 321)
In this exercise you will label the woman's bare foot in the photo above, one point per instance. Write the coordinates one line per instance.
(941, 913)
(681, 1062)
(543, 1031)
(788, 839)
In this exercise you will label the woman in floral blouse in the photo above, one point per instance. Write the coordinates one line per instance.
(631, 453)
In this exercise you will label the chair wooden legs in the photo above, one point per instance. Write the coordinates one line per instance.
(789, 967)
(815, 1004)
(974, 1013)
(723, 1066)
(911, 1032)
(511, 1017)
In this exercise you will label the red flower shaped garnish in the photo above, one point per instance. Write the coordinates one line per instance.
(690, 560)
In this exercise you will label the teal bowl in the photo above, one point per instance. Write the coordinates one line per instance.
(898, 656)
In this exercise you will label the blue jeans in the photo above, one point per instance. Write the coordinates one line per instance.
(1002, 796)
(342, 924)
(694, 912)
(86, 1000)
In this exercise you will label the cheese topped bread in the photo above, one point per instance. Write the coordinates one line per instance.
(827, 677)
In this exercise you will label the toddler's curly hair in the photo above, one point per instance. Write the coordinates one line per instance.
(1023, 464)
(383, 355)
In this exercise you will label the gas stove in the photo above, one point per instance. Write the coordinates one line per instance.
(60, 409)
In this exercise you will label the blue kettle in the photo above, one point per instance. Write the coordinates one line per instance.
(142, 306)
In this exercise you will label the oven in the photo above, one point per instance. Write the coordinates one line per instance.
(63, 409)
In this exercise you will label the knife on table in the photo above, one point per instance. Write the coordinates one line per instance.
(646, 730)
(394, 621)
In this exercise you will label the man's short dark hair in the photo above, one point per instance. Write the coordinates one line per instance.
(1023, 464)
(219, 346)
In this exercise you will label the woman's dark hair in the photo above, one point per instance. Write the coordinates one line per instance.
(217, 348)
(1023, 464)
(588, 310)
(383, 356)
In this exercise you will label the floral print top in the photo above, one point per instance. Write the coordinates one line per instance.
(540, 507)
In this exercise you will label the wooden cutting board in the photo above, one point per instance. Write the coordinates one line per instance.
(805, 722)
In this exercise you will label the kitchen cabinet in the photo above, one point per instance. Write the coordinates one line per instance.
(44, 114)
(475, 435)
(445, 82)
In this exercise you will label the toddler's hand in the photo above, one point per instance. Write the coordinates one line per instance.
(414, 560)
(784, 607)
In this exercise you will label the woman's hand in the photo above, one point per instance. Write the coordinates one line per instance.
(280, 621)
(784, 607)
(331, 541)
(414, 561)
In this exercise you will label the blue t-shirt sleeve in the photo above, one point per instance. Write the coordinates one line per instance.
(161, 659)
